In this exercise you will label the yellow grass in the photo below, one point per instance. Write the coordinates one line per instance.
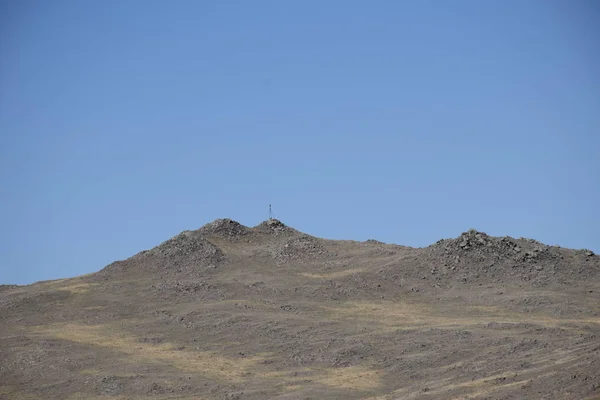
(485, 386)
(206, 363)
(8, 392)
(408, 315)
(482, 386)
(293, 388)
(90, 371)
(354, 378)
(79, 288)
(333, 275)
(88, 396)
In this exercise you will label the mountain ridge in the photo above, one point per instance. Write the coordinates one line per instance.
(228, 311)
(474, 246)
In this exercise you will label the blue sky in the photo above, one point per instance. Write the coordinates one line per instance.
(123, 123)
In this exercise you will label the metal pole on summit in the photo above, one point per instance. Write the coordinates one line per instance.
(270, 212)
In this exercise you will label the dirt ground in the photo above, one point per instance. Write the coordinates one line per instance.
(232, 312)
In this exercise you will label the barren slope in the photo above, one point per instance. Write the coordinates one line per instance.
(231, 312)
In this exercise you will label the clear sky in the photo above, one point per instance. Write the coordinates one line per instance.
(123, 123)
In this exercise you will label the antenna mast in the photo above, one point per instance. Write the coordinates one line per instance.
(270, 212)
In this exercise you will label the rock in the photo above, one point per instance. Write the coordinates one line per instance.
(303, 247)
(273, 226)
(225, 228)
(187, 243)
(275, 223)
(373, 241)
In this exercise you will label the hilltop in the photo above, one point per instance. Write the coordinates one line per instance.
(235, 312)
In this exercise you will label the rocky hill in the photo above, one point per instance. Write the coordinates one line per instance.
(235, 312)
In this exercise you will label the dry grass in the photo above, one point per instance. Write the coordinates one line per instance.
(354, 378)
(396, 394)
(409, 315)
(444, 388)
(88, 396)
(211, 364)
(74, 286)
(8, 392)
(476, 388)
(487, 385)
(333, 275)
(78, 288)
(94, 308)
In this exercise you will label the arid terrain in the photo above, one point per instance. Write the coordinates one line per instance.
(232, 312)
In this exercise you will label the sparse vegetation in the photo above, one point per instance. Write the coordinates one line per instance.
(251, 313)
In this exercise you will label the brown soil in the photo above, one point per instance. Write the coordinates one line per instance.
(231, 312)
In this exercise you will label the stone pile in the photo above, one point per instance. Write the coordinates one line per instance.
(187, 243)
(299, 248)
(273, 226)
(479, 246)
(225, 228)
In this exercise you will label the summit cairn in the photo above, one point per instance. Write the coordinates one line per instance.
(225, 227)
(272, 224)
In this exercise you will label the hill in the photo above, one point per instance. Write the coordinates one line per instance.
(233, 312)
